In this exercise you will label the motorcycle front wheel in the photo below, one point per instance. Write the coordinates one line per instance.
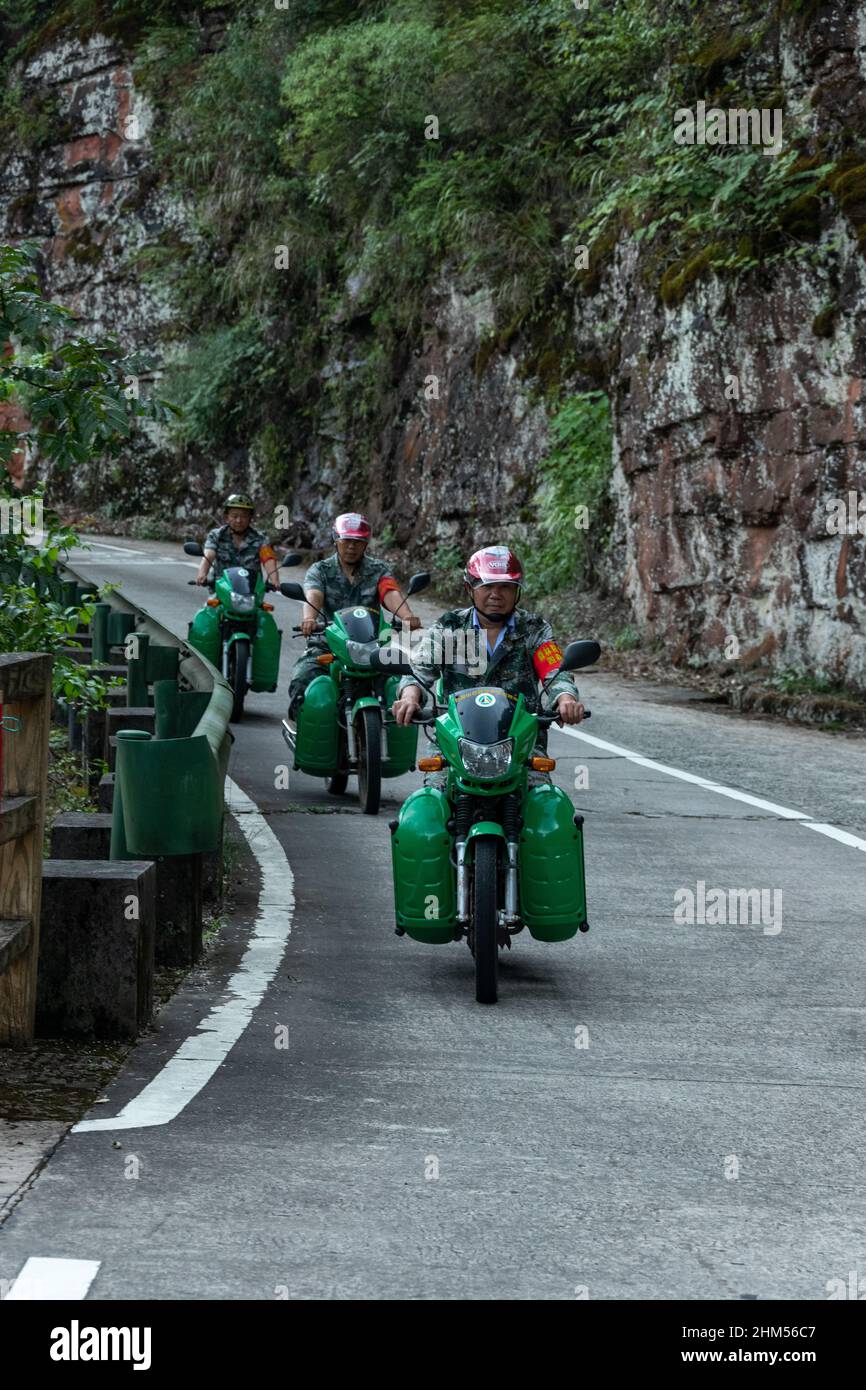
(239, 654)
(369, 733)
(484, 943)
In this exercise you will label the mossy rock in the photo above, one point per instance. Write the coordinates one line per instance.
(823, 324)
(679, 277)
(483, 354)
(721, 51)
(600, 253)
(802, 218)
(82, 248)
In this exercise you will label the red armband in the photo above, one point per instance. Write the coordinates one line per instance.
(267, 552)
(546, 658)
(387, 585)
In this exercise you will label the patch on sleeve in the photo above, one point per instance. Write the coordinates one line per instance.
(386, 585)
(546, 659)
(267, 553)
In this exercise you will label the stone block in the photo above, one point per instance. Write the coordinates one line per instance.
(96, 948)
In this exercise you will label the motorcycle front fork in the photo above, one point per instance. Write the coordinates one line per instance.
(509, 916)
(352, 742)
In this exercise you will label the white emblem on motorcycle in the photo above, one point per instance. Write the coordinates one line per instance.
(360, 612)
(485, 698)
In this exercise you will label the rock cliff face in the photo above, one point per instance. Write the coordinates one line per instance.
(739, 412)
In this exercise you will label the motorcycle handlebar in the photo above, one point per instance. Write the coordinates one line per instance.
(553, 716)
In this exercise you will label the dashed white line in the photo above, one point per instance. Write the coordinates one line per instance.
(200, 1056)
(784, 812)
(47, 1279)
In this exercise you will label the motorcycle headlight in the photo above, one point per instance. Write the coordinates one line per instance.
(243, 603)
(360, 653)
(486, 761)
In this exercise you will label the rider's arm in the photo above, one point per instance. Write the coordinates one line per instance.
(204, 568)
(546, 657)
(392, 599)
(315, 600)
(268, 561)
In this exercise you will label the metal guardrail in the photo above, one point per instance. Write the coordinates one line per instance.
(168, 788)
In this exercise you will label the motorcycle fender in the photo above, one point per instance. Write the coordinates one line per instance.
(317, 749)
(482, 827)
(204, 634)
(365, 702)
(551, 870)
(425, 887)
(402, 738)
(266, 652)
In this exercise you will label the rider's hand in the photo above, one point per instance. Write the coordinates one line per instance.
(308, 625)
(405, 707)
(569, 710)
(414, 622)
(201, 579)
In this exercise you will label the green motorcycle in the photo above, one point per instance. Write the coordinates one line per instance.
(344, 724)
(490, 855)
(236, 631)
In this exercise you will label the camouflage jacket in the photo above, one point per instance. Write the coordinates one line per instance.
(327, 575)
(524, 654)
(220, 540)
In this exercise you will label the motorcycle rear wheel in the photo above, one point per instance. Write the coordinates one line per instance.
(485, 946)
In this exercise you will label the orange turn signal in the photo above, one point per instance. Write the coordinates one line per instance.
(213, 603)
(268, 607)
(325, 659)
(434, 764)
(542, 764)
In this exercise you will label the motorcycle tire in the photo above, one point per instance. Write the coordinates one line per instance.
(484, 922)
(238, 660)
(369, 736)
(340, 780)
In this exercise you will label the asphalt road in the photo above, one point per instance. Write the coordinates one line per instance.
(654, 1110)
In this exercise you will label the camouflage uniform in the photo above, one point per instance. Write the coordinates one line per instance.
(227, 555)
(510, 667)
(363, 592)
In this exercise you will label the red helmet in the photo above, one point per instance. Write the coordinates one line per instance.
(495, 564)
(351, 526)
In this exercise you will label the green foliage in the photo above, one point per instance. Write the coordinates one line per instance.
(33, 614)
(75, 393)
(627, 639)
(574, 475)
(306, 130)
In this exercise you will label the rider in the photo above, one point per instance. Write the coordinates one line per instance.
(518, 646)
(238, 543)
(348, 578)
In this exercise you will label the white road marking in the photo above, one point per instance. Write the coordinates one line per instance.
(199, 1057)
(43, 1279)
(784, 812)
(121, 549)
(843, 836)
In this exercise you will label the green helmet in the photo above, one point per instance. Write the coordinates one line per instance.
(240, 499)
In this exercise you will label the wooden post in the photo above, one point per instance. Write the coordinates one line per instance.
(25, 695)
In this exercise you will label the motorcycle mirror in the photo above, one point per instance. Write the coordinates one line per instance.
(418, 582)
(290, 559)
(192, 548)
(291, 589)
(578, 654)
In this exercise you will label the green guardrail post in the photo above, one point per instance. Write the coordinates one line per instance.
(136, 673)
(118, 848)
(161, 663)
(99, 628)
(120, 625)
(166, 704)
